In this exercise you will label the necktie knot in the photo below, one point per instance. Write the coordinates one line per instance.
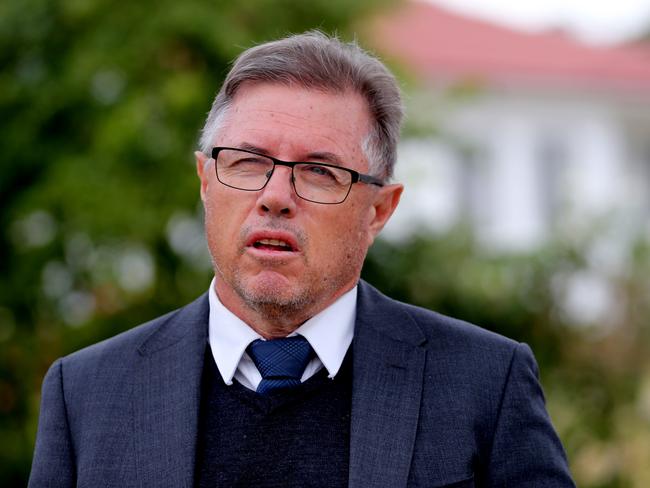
(281, 362)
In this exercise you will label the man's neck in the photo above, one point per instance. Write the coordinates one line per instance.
(271, 321)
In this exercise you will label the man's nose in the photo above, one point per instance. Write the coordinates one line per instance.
(278, 196)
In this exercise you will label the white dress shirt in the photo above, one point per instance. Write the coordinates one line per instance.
(329, 333)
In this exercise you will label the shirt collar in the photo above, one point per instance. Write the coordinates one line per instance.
(329, 333)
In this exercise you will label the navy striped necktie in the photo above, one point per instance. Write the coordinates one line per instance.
(281, 362)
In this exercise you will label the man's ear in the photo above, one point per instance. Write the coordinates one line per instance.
(385, 203)
(201, 170)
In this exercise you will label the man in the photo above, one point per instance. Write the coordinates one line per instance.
(290, 371)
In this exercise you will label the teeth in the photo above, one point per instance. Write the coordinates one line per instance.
(273, 242)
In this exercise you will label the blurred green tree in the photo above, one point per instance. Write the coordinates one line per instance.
(101, 105)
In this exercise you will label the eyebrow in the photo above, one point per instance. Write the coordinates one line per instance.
(251, 147)
(324, 156)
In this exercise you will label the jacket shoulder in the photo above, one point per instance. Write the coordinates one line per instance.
(142, 339)
(449, 329)
(439, 330)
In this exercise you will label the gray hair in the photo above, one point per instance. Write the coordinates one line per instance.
(316, 61)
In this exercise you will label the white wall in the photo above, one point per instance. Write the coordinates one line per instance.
(542, 161)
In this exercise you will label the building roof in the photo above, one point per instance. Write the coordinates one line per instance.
(441, 45)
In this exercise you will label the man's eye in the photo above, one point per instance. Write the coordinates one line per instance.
(249, 160)
(317, 170)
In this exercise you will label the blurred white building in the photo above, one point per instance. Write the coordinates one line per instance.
(520, 134)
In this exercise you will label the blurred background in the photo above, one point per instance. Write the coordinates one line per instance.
(526, 158)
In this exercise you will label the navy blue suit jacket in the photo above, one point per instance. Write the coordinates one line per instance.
(436, 402)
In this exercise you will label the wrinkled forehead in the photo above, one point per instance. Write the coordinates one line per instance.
(290, 118)
(304, 98)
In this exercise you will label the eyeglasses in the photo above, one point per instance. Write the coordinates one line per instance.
(315, 182)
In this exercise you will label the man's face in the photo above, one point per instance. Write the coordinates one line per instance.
(322, 246)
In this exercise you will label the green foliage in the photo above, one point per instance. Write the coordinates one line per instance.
(101, 105)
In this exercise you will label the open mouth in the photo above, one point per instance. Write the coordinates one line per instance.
(272, 245)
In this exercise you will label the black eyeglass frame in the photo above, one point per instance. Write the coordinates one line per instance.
(355, 175)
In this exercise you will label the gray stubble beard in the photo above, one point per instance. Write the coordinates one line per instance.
(288, 313)
(268, 305)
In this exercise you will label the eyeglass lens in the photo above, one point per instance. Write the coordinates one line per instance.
(312, 181)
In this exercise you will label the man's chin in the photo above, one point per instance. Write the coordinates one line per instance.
(273, 292)
(279, 309)
(270, 282)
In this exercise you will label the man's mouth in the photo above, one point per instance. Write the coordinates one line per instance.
(272, 244)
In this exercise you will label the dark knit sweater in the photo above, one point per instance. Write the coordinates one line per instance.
(290, 438)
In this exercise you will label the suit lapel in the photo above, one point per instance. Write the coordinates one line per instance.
(387, 386)
(166, 398)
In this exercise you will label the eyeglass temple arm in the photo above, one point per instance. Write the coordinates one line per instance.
(370, 180)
